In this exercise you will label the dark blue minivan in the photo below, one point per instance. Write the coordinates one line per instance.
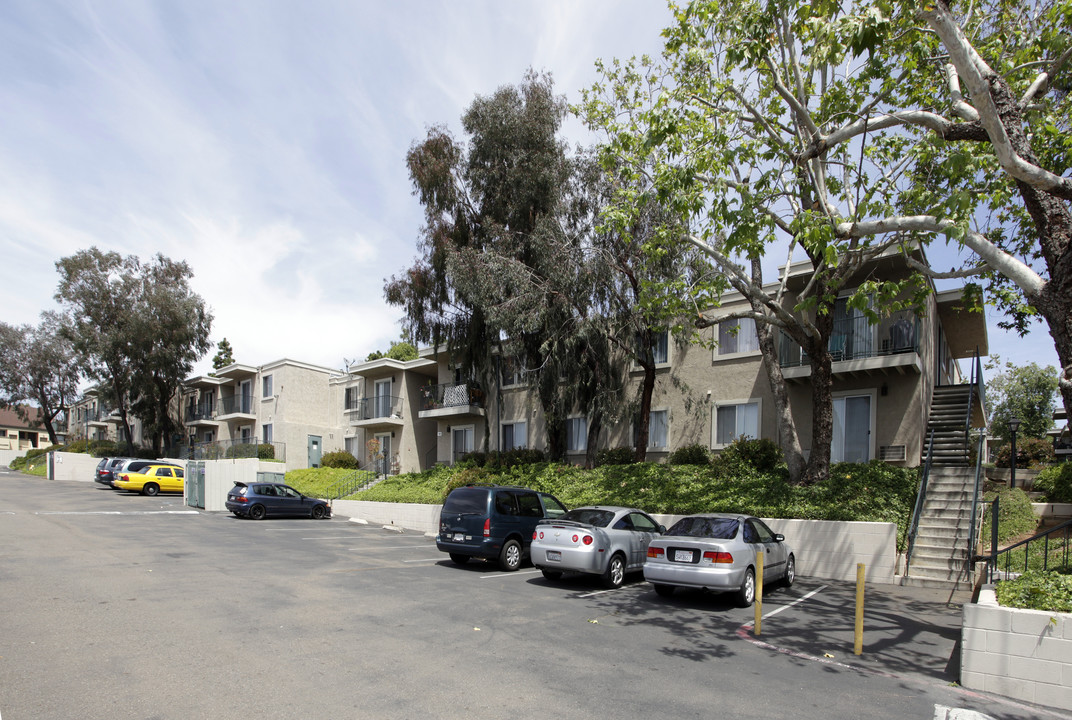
(493, 522)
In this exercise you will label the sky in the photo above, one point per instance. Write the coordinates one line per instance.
(264, 142)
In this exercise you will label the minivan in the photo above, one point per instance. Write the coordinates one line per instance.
(493, 522)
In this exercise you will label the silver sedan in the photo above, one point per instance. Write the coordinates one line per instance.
(600, 540)
(718, 552)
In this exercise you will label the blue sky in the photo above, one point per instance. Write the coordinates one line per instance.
(263, 142)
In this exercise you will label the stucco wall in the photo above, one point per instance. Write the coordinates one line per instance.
(823, 549)
(73, 466)
(1023, 654)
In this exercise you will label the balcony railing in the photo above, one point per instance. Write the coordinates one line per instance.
(447, 395)
(857, 339)
(200, 411)
(383, 406)
(236, 404)
(233, 449)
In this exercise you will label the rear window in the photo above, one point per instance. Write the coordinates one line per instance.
(590, 516)
(705, 527)
(467, 501)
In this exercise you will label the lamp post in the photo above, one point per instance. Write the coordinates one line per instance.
(1014, 424)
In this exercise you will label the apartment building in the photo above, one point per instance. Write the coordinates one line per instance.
(94, 418)
(290, 405)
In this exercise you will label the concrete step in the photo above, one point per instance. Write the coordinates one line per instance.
(925, 573)
(959, 585)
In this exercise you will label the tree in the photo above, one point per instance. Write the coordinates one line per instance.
(137, 328)
(224, 355)
(1027, 392)
(400, 350)
(37, 365)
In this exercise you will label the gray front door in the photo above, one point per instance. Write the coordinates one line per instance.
(314, 451)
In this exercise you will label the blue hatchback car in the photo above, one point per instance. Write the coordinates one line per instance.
(260, 500)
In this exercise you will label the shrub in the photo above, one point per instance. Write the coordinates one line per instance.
(266, 451)
(241, 451)
(695, 454)
(616, 456)
(1015, 516)
(512, 458)
(1049, 591)
(761, 455)
(1030, 452)
(473, 475)
(1056, 482)
(337, 459)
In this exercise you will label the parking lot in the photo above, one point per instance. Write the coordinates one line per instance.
(124, 606)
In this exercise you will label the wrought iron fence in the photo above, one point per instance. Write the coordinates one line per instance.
(382, 406)
(856, 339)
(1048, 550)
(444, 395)
(234, 450)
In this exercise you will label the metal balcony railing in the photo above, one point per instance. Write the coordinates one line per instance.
(447, 395)
(233, 450)
(200, 411)
(383, 406)
(236, 404)
(856, 339)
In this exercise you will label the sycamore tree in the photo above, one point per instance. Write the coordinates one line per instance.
(37, 365)
(816, 130)
(1026, 392)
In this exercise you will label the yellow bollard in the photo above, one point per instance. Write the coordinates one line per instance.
(858, 646)
(759, 590)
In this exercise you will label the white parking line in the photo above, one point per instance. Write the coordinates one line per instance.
(118, 512)
(799, 600)
(610, 590)
(437, 559)
(391, 547)
(340, 537)
(508, 574)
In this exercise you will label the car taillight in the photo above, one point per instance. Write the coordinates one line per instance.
(534, 535)
(718, 557)
(655, 552)
(487, 528)
(588, 540)
(239, 498)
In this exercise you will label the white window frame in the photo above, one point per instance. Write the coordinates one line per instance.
(516, 378)
(463, 428)
(584, 436)
(650, 446)
(669, 351)
(872, 393)
(717, 349)
(267, 433)
(513, 424)
(267, 388)
(758, 402)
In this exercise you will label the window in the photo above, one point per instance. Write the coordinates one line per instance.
(737, 336)
(659, 352)
(736, 420)
(852, 429)
(351, 398)
(266, 387)
(351, 445)
(576, 435)
(514, 436)
(512, 372)
(658, 429)
(266, 433)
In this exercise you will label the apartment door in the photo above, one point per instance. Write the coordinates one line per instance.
(315, 451)
(246, 391)
(383, 398)
(383, 463)
(461, 442)
(852, 429)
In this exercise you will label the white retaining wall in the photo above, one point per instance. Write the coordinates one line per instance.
(823, 549)
(8, 456)
(221, 475)
(1021, 654)
(73, 466)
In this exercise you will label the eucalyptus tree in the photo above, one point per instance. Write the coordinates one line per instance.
(812, 129)
(37, 366)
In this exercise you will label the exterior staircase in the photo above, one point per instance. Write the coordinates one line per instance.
(940, 552)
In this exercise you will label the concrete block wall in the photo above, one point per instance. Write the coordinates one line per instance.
(823, 549)
(1022, 654)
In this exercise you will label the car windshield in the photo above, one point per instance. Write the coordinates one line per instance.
(705, 527)
(589, 516)
(467, 501)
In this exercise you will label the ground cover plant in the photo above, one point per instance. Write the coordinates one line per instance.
(1037, 590)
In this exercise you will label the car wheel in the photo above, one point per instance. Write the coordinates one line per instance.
(790, 572)
(510, 557)
(747, 594)
(319, 511)
(615, 573)
(551, 574)
(150, 489)
(459, 559)
(664, 590)
(257, 512)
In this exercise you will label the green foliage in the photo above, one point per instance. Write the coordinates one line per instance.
(1030, 452)
(497, 459)
(1056, 482)
(1029, 393)
(241, 450)
(224, 355)
(695, 454)
(1049, 591)
(315, 482)
(339, 459)
(266, 451)
(616, 456)
(1015, 515)
(762, 455)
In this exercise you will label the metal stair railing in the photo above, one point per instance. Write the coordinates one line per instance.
(976, 526)
(1062, 531)
(361, 479)
(913, 528)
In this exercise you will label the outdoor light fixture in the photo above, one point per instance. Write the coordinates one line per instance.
(1014, 425)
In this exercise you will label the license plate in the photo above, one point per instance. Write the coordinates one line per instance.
(554, 555)
(683, 556)
(459, 537)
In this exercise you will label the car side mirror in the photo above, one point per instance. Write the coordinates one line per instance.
(778, 537)
(662, 529)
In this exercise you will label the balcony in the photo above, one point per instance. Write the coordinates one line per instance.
(383, 410)
(858, 348)
(451, 400)
(203, 413)
(236, 407)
